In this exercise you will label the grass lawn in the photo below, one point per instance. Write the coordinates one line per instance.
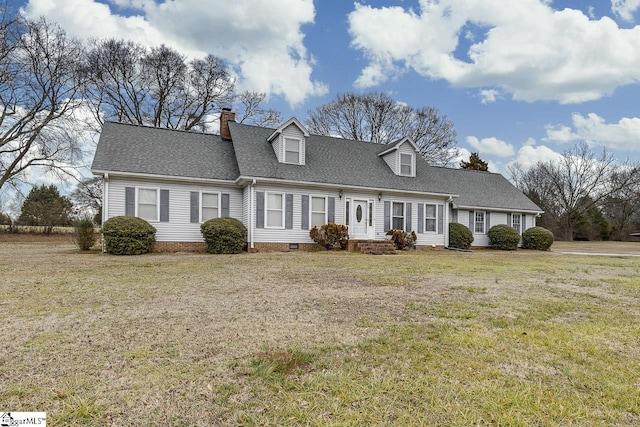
(329, 338)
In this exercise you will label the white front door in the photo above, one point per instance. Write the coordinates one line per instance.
(359, 224)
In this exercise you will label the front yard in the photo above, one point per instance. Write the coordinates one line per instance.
(329, 338)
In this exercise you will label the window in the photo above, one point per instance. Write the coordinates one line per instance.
(430, 218)
(292, 150)
(406, 164)
(318, 211)
(148, 204)
(275, 210)
(479, 223)
(515, 221)
(397, 216)
(210, 206)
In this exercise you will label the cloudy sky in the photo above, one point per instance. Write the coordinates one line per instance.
(520, 79)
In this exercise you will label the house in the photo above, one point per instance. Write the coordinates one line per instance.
(282, 182)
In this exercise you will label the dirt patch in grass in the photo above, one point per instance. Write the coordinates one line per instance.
(438, 338)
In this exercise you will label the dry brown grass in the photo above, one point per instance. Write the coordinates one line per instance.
(316, 338)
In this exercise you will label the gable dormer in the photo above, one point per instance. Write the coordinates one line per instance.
(402, 157)
(288, 142)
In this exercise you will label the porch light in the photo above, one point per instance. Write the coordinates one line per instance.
(379, 196)
(340, 194)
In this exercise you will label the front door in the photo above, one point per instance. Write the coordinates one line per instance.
(360, 219)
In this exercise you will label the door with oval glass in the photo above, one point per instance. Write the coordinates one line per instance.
(359, 226)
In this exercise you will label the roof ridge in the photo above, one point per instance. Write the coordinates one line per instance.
(161, 128)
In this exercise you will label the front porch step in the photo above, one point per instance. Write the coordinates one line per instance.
(376, 247)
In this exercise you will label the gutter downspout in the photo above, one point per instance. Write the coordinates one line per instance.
(252, 194)
(105, 206)
(446, 223)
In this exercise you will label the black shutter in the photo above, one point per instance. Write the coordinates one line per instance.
(524, 223)
(387, 216)
(509, 220)
(407, 219)
(224, 212)
(472, 221)
(420, 217)
(259, 209)
(487, 218)
(331, 209)
(305, 212)
(164, 205)
(195, 206)
(440, 219)
(130, 201)
(288, 211)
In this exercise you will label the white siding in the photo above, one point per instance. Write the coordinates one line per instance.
(496, 218)
(392, 159)
(296, 234)
(423, 238)
(291, 131)
(179, 228)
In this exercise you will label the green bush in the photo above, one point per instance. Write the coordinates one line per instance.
(84, 234)
(5, 219)
(224, 235)
(402, 239)
(538, 238)
(459, 236)
(128, 235)
(503, 237)
(331, 235)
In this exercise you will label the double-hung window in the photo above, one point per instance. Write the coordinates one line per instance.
(397, 216)
(292, 150)
(148, 204)
(275, 210)
(479, 223)
(318, 211)
(210, 206)
(406, 164)
(516, 221)
(430, 218)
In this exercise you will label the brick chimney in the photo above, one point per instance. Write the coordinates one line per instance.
(225, 117)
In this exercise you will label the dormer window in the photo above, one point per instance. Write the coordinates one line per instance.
(406, 164)
(292, 151)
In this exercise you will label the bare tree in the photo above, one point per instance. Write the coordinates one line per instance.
(87, 196)
(376, 117)
(569, 187)
(130, 83)
(622, 208)
(39, 90)
(252, 112)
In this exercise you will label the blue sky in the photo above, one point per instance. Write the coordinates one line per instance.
(522, 80)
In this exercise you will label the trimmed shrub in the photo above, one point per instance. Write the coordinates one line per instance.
(460, 236)
(224, 235)
(538, 238)
(128, 235)
(503, 237)
(84, 235)
(402, 239)
(331, 235)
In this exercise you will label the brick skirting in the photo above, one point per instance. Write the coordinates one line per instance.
(286, 247)
(265, 247)
(180, 247)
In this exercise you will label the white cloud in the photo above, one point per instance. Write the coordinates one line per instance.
(526, 48)
(529, 155)
(261, 39)
(488, 96)
(625, 8)
(624, 135)
(493, 146)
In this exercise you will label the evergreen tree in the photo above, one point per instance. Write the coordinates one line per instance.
(475, 163)
(44, 206)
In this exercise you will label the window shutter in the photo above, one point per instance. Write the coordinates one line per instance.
(164, 205)
(454, 215)
(288, 211)
(195, 208)
(440, 219)
(509, 222)
(259, 209)
(305, 212)
(407, 219)
(130, 201)
(331, 209)
(472, 221)
(524, 223)
(487, 219)
(224, 201)
(387, 216)
(420, 217)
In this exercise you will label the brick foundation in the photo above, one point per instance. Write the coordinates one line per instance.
(180, 247)
(284, 247)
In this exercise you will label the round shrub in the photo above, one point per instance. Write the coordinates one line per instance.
(538, 238)
(84, 234)
(503, 237)
(331, 235)
(224, 235)
(459, 236)
(128, 235)
(402, 239)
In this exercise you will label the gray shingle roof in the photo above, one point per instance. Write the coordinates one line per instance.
(354, 163)
(149, 150)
